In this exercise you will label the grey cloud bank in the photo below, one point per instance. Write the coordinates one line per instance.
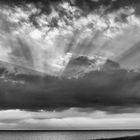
(110, 90)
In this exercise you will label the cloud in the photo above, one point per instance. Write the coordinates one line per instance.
(51, 38)
(113, 91)
(67, 119)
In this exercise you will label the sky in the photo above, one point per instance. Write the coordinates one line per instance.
(69, 64)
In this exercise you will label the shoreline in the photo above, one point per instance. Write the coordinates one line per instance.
(106, 130)
(136, 137)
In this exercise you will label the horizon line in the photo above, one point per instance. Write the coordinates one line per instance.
(27, 130)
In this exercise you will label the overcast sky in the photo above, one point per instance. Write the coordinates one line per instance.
(69, 64)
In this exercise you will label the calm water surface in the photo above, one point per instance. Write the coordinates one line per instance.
(80, 135)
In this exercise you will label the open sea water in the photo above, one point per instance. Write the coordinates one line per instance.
(64, 135)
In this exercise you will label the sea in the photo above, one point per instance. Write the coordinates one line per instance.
(64, 135)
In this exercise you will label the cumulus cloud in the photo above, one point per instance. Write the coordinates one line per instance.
(52, 38)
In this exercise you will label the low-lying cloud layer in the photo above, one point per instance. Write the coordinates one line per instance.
(114, 91)
(70, 119)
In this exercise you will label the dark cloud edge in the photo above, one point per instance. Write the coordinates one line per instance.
(85, 5)
(113, 91)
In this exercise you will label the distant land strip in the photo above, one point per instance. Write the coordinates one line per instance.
(123, 138)
(106, 130)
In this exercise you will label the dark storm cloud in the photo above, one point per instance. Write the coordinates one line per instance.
(85, 5)
(112, 91)
(91, 5)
